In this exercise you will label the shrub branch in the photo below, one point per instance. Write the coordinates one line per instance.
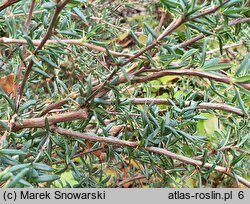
(49, 33)
(188, 72)
(215, 106)
(8, 3)
(201, 36)
(117, 142)
(83, 113)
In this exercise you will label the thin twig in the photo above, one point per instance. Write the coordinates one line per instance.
(201, 36)
(40, 122)
(78, 42)
(79, 155)
(82, 114)
(174, 25)
(163, 16)
(216, 106)
(49, 33)
(26, 30)
(171, 28)
(166, 32)
(188, 72)
(161, 73)
(118, 142)
(209, 11)
(8, 3)
(131, 180)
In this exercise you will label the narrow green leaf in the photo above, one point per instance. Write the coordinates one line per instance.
(101, 101)
(126, 75)
(56, 90)
(216, 67)
(8, 99)
(244, 79)
(47, 124)
(25, 183)
(112, 58)
(231, 3)
(199, 28)
(220, 44)
(81, 100)
(200, 117)
(173, 131)
(4, 125)
(81, 90)
(17, 177)
(150, 30)
(42, 167)
(204, 55)
(243, 139)
(12, 152)
(18, 167)
(237, 29)
(27, 104)
(79, 13)
(62, 85)
(49, 5)
(204, 157)
(89, 85)
(235, 11)
(188, 54)
(40, 71)
(105, 180)
(29, 41)
(245, 65)
(193, 8)
(5, 175)
(241, 102)
(238, 159)
(170, 3)
(210, 170)
(227, 138)
(49, 89)
(46, 178)
(135, 37)
(99, 117)
(47, 60)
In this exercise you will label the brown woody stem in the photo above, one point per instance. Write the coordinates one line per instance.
(118, 142)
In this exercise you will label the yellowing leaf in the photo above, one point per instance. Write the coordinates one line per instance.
(65, 177)
(181, 29)
(209, 126)
(133, 163)
(110, 172)
(122, 36)
(166, 79)
(143, 39)
(191, 183)
(77, 159)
